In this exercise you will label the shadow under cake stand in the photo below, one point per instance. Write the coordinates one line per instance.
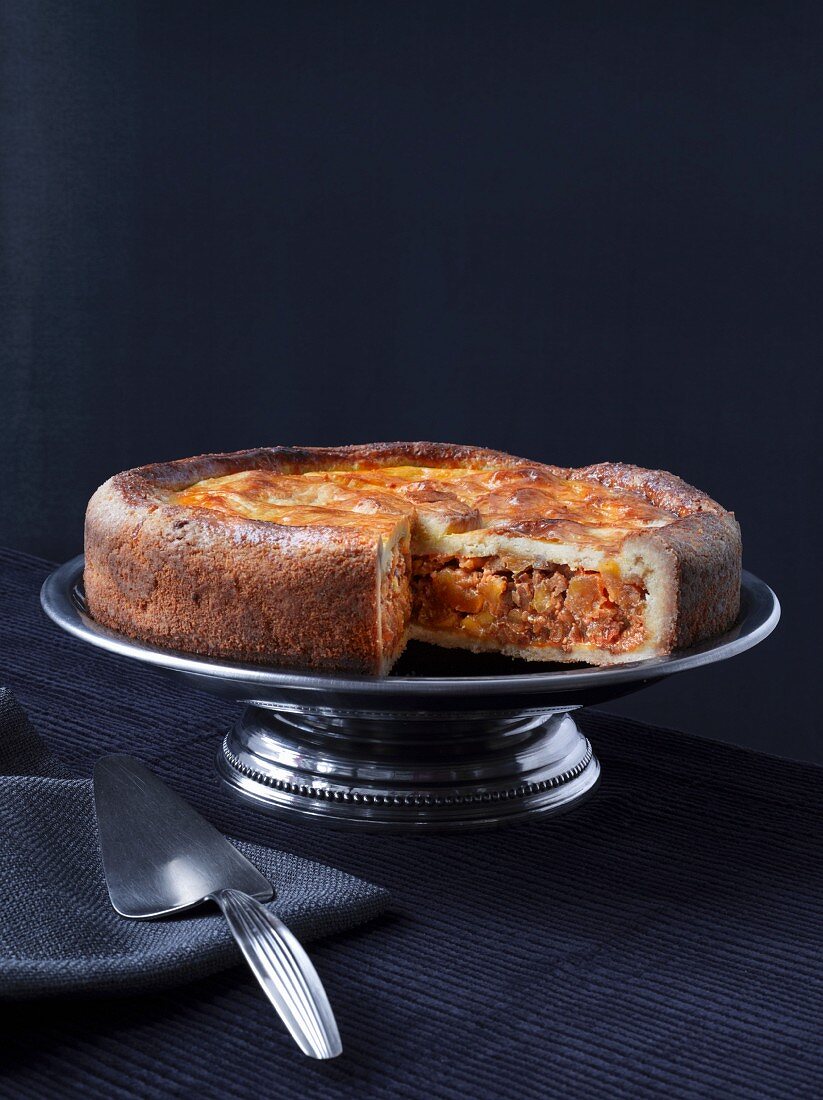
(448, 740)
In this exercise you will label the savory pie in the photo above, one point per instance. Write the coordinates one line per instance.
(333, 558)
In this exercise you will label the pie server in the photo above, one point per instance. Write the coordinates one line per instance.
(160, 856)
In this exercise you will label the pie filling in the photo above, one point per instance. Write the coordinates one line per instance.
(490, 599)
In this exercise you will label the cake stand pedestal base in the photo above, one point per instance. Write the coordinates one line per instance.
(383, 772)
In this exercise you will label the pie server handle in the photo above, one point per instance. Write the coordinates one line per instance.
(285, 972)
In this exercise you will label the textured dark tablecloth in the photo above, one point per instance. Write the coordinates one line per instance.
(662, 941)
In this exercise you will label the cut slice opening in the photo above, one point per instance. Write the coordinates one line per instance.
(395, 603)
(507, 604)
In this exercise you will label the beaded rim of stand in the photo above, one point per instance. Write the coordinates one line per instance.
(327, 794)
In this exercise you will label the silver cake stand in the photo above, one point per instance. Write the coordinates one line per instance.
(448, 740)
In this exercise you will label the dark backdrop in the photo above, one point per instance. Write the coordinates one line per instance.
(572, 231)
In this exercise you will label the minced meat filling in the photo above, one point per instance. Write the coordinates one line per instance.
(554, 605)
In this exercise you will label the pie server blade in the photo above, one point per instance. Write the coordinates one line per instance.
(160, 856)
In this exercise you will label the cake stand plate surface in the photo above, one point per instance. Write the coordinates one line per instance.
(448, 740)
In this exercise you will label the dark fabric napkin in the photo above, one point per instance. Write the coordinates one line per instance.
(58, 931)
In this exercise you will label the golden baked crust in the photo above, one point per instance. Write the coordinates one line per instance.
(302, 557)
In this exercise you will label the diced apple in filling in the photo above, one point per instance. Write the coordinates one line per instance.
(552, 605)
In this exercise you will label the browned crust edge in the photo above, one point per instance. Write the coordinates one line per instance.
(191, 580)
(703, 548)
